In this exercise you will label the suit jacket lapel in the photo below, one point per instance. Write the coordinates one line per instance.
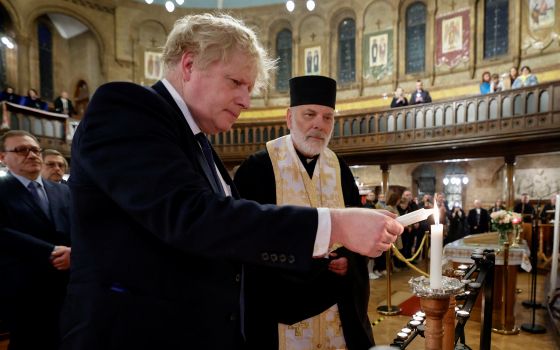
(21, 192)
(162, 91)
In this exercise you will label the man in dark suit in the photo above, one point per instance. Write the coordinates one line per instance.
(420, 95)
(34, 246)
(54, 166)
(159, 234)
(525, 208)
(62, 104)
(335, 289)
(478, 218)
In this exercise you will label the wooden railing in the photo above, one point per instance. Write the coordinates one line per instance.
(531, 113)
(54, 130)
(507, 123)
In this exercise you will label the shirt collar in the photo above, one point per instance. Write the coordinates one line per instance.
(182, 106)
(25, 181)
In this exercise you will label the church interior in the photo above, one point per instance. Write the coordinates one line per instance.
(468, 144)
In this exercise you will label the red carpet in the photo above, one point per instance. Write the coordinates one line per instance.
(410, 306)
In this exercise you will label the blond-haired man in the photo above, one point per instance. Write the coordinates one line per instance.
(160, 234)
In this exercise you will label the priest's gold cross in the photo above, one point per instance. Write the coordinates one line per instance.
(299, 327)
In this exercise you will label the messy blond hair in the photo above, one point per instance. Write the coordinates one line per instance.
(215, 37)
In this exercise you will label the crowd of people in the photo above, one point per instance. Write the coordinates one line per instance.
(457, 223)
(491, 83)
(62, 104)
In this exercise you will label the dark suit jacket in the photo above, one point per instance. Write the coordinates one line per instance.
(483, 222)
(28, 237)
(59, 107)
(157, 252)
(298, 296)
(426, 98)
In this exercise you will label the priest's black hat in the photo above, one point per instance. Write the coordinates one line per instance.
(312, 90)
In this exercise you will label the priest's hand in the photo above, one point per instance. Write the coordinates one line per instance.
(364, 231)
(338, 265)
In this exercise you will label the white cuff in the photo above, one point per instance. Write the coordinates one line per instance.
(323, 237)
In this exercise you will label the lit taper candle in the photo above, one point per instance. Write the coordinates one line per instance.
(436, 247)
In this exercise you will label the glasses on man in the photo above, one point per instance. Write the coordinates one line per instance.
(24, 151)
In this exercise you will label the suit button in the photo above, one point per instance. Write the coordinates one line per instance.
(273, 257)
(237, 278)
(291, 259)
(264, 256)
(282, 258)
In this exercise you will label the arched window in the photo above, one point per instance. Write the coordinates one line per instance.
(496, 17)
(284, 52)
(45, 60)
(347, 51)
(415, 38)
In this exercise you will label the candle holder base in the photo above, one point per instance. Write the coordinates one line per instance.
(513, 331)
(389, 310)
(533, 328)
(435, 303)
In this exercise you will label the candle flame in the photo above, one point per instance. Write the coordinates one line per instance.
(436, 213)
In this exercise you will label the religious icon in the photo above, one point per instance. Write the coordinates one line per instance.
(541, 14)
(378, 50)
(312, 60)
(153, 65)
(452, 34)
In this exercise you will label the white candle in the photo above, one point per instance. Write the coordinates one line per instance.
(436, 241)
(414, 217)
(555, 244)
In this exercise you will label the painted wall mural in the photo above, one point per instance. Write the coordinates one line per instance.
(153, 65)
(541, 14)
(378, 54)
(538, 183)
(312, 60)
(453, 38)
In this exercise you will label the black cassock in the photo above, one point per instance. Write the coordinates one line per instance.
(275, 296)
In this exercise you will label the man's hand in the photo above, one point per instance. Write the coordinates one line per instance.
(338, 265)
(60, 257)
(364, 231)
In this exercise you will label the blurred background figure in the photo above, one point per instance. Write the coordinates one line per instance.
(399, 100)
(485, 84)
(54, 166)
(525, 79)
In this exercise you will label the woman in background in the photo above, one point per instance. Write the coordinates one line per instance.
(525, 79)
(485, 84)
(399, 100)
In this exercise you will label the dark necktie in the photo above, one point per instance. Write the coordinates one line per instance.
(38, 199)
(207, 151)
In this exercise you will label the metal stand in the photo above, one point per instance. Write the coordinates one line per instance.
(533, 327)
(389, 310)
(504, 329)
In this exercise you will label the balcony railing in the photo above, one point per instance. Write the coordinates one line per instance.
(54, 130)
(532, 112)
(528, 118)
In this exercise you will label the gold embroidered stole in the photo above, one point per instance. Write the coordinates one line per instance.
(324, 189)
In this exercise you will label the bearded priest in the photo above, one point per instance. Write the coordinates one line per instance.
(325, 307)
